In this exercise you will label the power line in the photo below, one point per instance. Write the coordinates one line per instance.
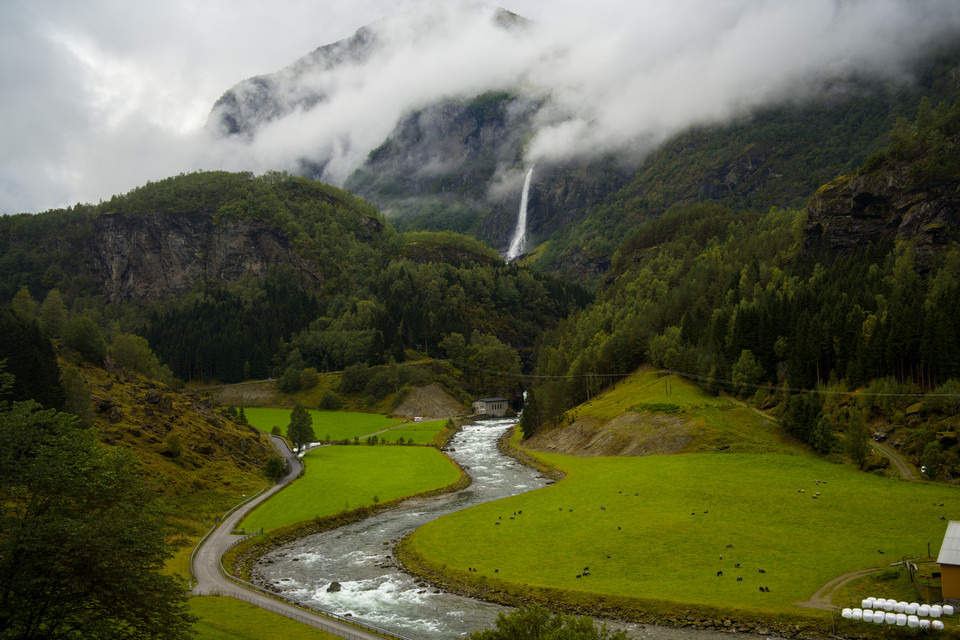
(699, 378)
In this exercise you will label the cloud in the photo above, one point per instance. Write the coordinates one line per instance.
(100, 97)
(615, 74)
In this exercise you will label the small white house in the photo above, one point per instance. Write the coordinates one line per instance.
(495, 407)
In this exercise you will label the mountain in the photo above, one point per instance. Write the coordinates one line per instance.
(457, 161)
(231, 276)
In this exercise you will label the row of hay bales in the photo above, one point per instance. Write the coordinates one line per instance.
(901, 614)
(911, 608)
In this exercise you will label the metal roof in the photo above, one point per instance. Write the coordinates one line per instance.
(950, 550)
(491, 400)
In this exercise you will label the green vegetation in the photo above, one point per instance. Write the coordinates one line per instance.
(536, 623)
(79, 525)
(342, 478)
(300, 430)
(414, 432)
(712, 423)
(610, 515)
(229, 619)
(338, 425)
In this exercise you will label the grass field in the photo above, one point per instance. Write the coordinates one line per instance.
(338, 425)
(339, 478)
(419, 432)
(715, 423)
(229, 619)
(656, 527)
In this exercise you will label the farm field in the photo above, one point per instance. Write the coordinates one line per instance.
(338, 425)
(229, 619)
(658, 528)
(339, 478)
(419, 432)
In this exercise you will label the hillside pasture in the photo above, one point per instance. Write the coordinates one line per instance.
(660, 529)
(340, 478)
(338, 425)
(650, 408)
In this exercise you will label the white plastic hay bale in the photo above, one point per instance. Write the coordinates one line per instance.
(847, 613)
(935, 610)
(879, 617)
(858, 614)
(867, 603)
(890, 617)
(948, 609)
(923, 610)
(888, 605)
(913, 622)
(868, 615)
(899, 607)
(911, 609)
(924, 623)
(878, 603)
(901, 619)
(936, 624)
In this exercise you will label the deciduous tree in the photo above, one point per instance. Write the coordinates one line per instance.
(82, 538)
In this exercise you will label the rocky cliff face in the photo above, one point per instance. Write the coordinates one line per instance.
(885, 204)
(154, 256)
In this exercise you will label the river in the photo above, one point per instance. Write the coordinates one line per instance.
(375, 590)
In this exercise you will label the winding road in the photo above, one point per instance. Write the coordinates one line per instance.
(212, 582)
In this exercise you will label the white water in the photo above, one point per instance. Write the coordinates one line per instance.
(519, 242)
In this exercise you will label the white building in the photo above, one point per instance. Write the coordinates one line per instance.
(495, 407)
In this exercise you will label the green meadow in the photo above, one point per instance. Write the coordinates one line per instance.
(338, 425)
(339, 478)
(658, 528)
(419, 432)
(229, 619)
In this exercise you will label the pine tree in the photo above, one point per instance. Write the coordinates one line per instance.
(300, 429)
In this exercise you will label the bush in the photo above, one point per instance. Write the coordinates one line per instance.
(275, 467)
(84, 336)
(174, 446)
(309, 378)
(329, 401)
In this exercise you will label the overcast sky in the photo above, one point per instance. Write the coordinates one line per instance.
(99, 96)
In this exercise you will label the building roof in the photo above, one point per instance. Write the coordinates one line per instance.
(491, 400)
(950, 550)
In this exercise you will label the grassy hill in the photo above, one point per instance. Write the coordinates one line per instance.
(200, 458)
(649, 412)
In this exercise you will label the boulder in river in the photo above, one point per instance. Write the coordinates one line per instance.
(334, 587)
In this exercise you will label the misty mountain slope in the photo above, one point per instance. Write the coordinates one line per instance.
(437, 114)
(458, 165)
(249, 105)
(777, 157)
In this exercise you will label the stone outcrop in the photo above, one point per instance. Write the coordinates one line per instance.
(154, 256)
(885, 205)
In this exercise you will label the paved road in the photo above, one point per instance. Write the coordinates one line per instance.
(211, 581)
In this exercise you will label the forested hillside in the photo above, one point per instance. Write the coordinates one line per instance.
(231, 277)
(766, 306)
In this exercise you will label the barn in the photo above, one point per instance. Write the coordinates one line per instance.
(949, 560)
(494, 407)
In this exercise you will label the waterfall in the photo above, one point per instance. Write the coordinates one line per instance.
(519, 241)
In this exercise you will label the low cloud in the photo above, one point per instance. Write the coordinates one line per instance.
(104, 102)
